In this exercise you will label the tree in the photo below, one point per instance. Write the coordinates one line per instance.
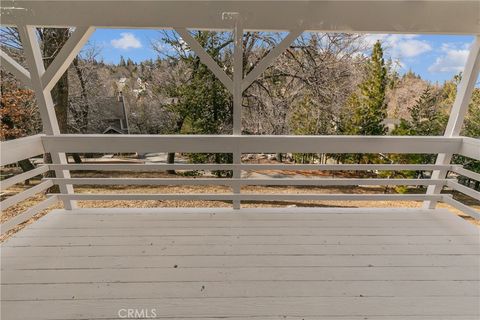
(369, 105)
(366, 110)
(472, 120)
(425, 120)
(19, 115)
(122, 62)
(202, 104)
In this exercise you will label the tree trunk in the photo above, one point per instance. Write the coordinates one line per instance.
(171, 160)
(47, 158)
(26, 165)
(53, 40)
(171, 155)
(76, 158)
(279, 157)
(84, 107)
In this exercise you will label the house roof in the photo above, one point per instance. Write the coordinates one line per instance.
(109, 108)
(112, 130)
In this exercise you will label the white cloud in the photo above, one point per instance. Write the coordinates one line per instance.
(126, 41)
(453, 59)
(413, 48)
(400, 45)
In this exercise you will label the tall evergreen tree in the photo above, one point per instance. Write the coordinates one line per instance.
(426, 120)
(369, 105)
(204, 105)
(122, 62)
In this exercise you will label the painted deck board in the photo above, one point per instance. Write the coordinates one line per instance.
(253, 264)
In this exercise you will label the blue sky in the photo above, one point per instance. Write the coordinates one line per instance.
(434, 57)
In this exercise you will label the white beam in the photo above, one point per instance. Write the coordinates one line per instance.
(367, 16)
(268, 59)
(464, 91)
(205, 58)
(44, 100)
(34, 59)
(457, 115)
(249, 144)
(15, 68)
(64, 58)
(237, 76)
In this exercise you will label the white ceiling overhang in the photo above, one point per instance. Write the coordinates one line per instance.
(390, 16)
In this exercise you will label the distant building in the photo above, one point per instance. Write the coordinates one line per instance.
(111, 117)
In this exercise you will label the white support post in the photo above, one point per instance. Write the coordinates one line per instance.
(237, 98)
(457, 115)
(237, 77)
(268, 59)
(15, 68)
(44, 101)
(65, 57)
(205, 58)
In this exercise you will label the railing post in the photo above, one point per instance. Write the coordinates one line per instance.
(237, 174)
(457, 115)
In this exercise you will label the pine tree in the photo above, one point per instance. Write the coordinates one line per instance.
(472, 120)
(204, 104)
(426, 118)
(122, 62)
(369, 106)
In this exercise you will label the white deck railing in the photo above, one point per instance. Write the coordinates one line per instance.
(15, 150)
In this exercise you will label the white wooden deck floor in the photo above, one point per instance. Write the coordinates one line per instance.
(253, 264)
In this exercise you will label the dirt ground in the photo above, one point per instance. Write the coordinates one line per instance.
(21, 207)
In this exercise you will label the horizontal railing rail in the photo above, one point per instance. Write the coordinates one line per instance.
(248, 181)
(470, 147)
(254, 197)
(463, 189)
(466, 173)
(4, 184)
(462, 207)
(11, 152)
(247, 167)
(250, 144)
